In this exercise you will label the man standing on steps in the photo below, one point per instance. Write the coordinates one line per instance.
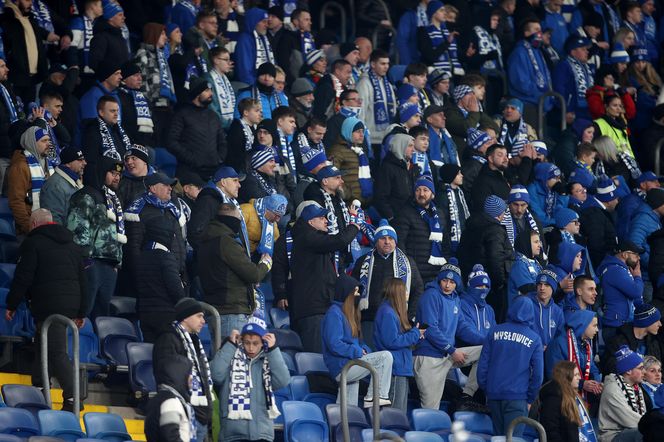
(50, 277)
(182, 340)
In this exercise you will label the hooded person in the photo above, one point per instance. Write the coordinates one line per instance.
(511, 366)
(572, 261)
(170, 416)
(549, 319)
(341, 333)
(253, 47)
(249, 368)
(261, 216)
(262, 89)
(545, 193)
(478, 314)
(575, 344)
(396, 177)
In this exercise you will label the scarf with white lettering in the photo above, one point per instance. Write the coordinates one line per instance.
(487, 43)
(107, 142)
(42, 15)
(307, 43)
(400, 269)
(201, 377)
(239, 397)
(456, 217)
(430, 217)
(248, 135)
(630, 163)
(510, 224)
(422, 18)
(333, 222)
(225, 95)
(267, 187)
(193, 9)
(363, 172)
(166, 86)
(39, 171)
(542, 79)
(264, 52)
(583, 78)
(422, 161)
(436, 35)
(143, 114)
(384, 106)
(266, 244)
(512, 141)
(286, 157)
(114, 213)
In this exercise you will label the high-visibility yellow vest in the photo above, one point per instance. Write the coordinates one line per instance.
(617, 135)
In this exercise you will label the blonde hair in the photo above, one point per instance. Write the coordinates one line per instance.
(648, 79)
(619, 36)
(394, 292)
(563, 374)
(606, 148)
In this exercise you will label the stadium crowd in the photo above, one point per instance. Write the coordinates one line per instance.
(416, 197)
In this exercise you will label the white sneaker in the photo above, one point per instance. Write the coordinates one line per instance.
(368, 403)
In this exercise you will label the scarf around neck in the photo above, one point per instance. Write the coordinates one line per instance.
(457, 217)
(40, 170)
(383, 99)
(107, 142)
(583, 78)
(430, 217)
(266, 244)
(166, 86)
(264, 52)
(225, 95)
(400, 269)
(11, 107)
(143, 113)
(542, 76)
(239, 398)
(201, 378)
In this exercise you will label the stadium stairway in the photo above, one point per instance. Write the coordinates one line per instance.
(96, 393)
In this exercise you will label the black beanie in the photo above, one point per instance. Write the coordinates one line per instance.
(129, 68)
(105, 69)
(448, 172)
(277, 11)
(187, 307)
(196, 87)
(655, 198)
(266, 68)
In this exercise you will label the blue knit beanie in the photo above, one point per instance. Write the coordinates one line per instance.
(478, 277)
(426, 181)
(494, 206)
(515, 103)
(519, 193)
(276, 203)
(262, 156)
(404, 93)
(606, 189)
(451, 270)
(476, 138)
(547, 276)
(582, 176)
(385, 229)
(111, 9)
(170, 27)
(645, 315)
(564, 216)
(432, 7)
(408, 110)
(626, 360)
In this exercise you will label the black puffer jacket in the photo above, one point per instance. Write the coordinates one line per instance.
(159, 287)
(558, 428)
(197, 140)
(312, 268)
(598, 227)
(413, 233)
(130, 189)
(394, 185)
(656, 266)
(485, 242)
(204, 211)
(93, 149)
(488, 182)
(50, 274)
(107, 44)
(625, 336)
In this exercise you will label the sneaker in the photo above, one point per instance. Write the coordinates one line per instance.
(368, 403)
(466, 403)
(68, 405)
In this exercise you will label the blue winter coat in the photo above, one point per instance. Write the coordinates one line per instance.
(549, 319)
(511, 365)
(565, 84)
(557, 350)
(622, 291)
(567, 251)
(538, 192)
(625, 211)
(556, 22)
(521, 76)
(339, 345)
(245, 50)
(388, 336)
(268, 102)
(407, 38)
(442, 314)
(524, 272)
(182, 17)
(478, 317)
(644, 222)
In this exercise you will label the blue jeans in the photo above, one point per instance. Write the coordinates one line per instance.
(232, 322)
(101, 286)
(399, 392)
(504, 412)
(201, 432)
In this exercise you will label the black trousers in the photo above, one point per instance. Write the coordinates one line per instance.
(154, 323)
(59, 364)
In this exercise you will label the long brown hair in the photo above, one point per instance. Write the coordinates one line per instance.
(394, 292)
(152, 32)
(563, 374)
(649, 80)
(352, 314)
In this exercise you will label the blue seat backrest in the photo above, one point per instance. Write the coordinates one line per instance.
(26, 397)
(165, 161)
(299, 387)
(304, 422)
(114, 335)
(310, 363)
(425, 419)
(106, 426)
(475, 422)
(62, 424)
(287, 340)
(421, 436)
(141, 373)
(18, 422)
(5, 211)
(6, 274)
(357, 421)
(290, 363)
(393, 419)
(280, 318)
(88, 344)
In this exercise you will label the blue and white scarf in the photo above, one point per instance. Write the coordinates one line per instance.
(515, 141)
(307, 43)
(422, 161)
(542, 76)
(166, 86)
(133, 213)
(143, 113)
(107, 143)
(193, 9)
(200, 387)
(264, 52)
(510, 224)
(438, 141)
(384, 105)
(84, 40)
(266, 244)
(53, 153)
(422, 18)
(42, 15)
(457, 218)
(488, 43)
(225, 95)
(188, 409)
(228, 200)
(363, 172)
(583, 78)
(13, 115)
(400, 269)
(437, 38)
(39, 171)
(436, 234)
(248, 135)
(286, 157)
(115, 214)
(265, 186)
(567, 236)
(333, 222)
(239, 395)
(586, 430)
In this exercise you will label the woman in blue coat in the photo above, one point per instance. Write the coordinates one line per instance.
(393, 332)
(341, 332)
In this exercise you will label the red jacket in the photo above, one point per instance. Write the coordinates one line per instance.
(595, 97)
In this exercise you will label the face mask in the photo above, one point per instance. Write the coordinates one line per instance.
(536, 40)
(482, 293)
(355, 109)
(231, 222)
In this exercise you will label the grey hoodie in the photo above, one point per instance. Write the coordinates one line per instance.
(615, 414)
(399, 144)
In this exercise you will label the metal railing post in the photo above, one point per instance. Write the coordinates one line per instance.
(528, 421)
(46, 380)
(342, 13)
(658, 155)
(343, 391)
(540, 111)
(216, 329)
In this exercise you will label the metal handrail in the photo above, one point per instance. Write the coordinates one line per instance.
(658, 155)
(353, 19)
(216, 336)
(540, 111)
(342, 13)
(527, 421)
(343, 391)
(46, 380)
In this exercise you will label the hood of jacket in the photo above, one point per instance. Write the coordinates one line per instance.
(102, 25)
(215, 229)
(579, 321)
(252, 17)
(399, 144)
(54, 232)
(522, 311)
(345, 286)
(566, 254)
(175, 374)
(610, 260)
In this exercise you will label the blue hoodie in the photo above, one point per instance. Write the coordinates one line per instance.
(524, 272)
(570, 305)
(557, 350)
(549, 319)
(388, 336)
(567, 251)
(245, 50)
(538, 192)
(442, 314)
(622, 291)
(628, 207)
(513, 351)
(644, 222)
(478, 317)
(339, 345)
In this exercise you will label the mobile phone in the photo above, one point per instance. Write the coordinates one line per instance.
(424, 326)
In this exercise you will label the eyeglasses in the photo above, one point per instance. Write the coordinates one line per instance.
(223, 59)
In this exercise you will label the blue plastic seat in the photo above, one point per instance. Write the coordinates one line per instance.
(6, 274)
(62, 424)
(18, 422)
(5, 211)
(280, 318)
(26, 397)
(504, 439)
(141, 374)
(9, 438)
(290, 363)
(8, 249)
(357, 421)
(106, 426)
(396, 73)
(392, 419)
(433, 421)
(299, 387)
(88, 344)
(165, 161)
(114, 335)
(367, 435)
(287, 340)
(303, 422)
(280, 396)
(310, 363)
(422, 436)
(16, 325)
(475, 422)
(7, 228)
(321, 400)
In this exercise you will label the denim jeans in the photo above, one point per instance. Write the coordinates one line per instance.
(628, 435)
(232, 322)
(382, 362)
(504, 412)
(309, 329)
(102, 277)
(201, 432)
(399, 392)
